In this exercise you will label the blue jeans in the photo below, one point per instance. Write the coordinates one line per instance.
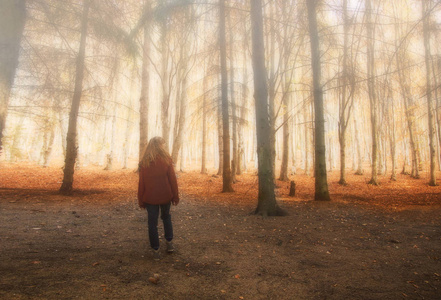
(153, 214)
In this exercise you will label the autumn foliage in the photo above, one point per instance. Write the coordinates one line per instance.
(94, 184)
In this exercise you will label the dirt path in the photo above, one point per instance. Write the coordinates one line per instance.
(93, 245)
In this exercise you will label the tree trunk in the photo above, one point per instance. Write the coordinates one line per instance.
(380, 142)
(272, 84)
(12, 22)
(50, 143)
(393, 176)
(427, 55)
(129, 124)
(71, 140)
(144, 98)
(233, 101)
(321, 181)
(408, 111)
(204, 123)
(344, 108)
(266, 205)
(330, 153)
(403, 170)
(241, 161)
(177, 143)
(181, 96)
(114, 95)
(342, 141)
(220, 139)
(45, 132)
(110, 156)
(293, 138)
(285, 151)
(390, 121)
(436, 70)
(370, 31)
(165, 105)
(286, 103)
(285, 128)
(226, 172)
(306, 137)
(360, 159)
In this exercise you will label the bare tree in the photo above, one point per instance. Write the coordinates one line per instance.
(226, 172)
(71, 145)
(266, 203)
(204, 122)
(145, 87)
(427, 56)
(183, 64)
(286, 51)
(233, 97)
(406, 96)
(346, 97)
(370, 32)
(321, 181)
(12, 22)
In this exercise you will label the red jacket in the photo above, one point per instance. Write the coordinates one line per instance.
(157, 184)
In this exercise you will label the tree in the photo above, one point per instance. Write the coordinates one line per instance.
(12, 23)
(243, 111)
(266, 202)
(370, 32)
(390, 120)
(114, 80)
(71, 145)
(427, 59)
(321, 181)
(226, 173)
(234, 160)
(204, 122)
(184, 68)
(408, 103)
(346, 97)
(145, 88)
(286, 50)
(165, 78)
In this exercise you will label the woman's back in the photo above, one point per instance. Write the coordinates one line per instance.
(157, 183)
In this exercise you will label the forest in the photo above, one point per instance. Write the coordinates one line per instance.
(306, 136)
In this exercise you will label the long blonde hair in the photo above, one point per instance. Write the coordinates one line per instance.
(155, 149)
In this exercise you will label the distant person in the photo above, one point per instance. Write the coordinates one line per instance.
(157, 190)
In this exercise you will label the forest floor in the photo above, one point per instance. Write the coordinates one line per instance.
(369, 242)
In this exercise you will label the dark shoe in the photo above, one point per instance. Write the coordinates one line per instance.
(155, 254)
(170, 248)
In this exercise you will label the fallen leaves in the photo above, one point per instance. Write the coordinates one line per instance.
(254, 239)
(388, 195)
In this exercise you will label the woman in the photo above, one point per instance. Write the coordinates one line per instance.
(157, 190)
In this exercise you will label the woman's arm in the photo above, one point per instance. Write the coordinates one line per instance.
(173, 184)
(140, 189)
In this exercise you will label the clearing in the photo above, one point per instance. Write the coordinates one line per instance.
(370, 242)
